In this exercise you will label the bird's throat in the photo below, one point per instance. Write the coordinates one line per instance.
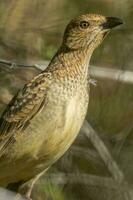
(76, 61)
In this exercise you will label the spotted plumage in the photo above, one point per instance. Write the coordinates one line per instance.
(43, 119)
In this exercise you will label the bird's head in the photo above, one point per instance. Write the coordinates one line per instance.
(88, 30)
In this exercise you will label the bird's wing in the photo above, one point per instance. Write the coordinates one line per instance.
(22, 108)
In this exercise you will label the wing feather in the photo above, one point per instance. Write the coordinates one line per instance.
(22, 108)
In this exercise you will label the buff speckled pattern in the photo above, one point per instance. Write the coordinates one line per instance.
(43, 119)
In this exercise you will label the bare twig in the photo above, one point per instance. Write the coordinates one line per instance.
(96, 72)
(116, 173)
(111, 164)
(8, 195)
(121, 139)
(90, 155)
(113, 74)
(91, 180)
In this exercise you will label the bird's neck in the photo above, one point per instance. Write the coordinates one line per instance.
(73, 61)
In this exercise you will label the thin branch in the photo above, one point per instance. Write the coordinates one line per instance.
(111, 164)
(113, 74)
(120, 139)
(96, 72)
(90, 155)
(9, 195)
(91, 180)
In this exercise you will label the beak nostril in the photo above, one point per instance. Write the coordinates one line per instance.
(112, 22)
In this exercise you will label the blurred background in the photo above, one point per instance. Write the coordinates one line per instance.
(99, 165)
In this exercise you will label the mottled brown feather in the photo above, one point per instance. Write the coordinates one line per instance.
(22, 108)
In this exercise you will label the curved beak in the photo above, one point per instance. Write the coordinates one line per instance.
(111, 22)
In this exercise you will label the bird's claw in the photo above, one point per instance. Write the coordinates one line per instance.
(93, 82)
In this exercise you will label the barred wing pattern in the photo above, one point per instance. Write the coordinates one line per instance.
(22, 108)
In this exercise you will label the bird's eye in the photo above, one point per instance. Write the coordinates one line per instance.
(84, 24)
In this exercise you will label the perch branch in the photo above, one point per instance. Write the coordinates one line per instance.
(96, 72)
(111, 164)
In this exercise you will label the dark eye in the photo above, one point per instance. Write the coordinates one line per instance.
(84, 24)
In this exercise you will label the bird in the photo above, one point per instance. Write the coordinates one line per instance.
(43, 119)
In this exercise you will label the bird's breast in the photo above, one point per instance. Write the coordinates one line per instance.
(53, 130)
(67, 126)
(49, 134)
(62, 126)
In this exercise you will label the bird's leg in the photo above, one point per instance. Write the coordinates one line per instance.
(18, 196)
(30, 185)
